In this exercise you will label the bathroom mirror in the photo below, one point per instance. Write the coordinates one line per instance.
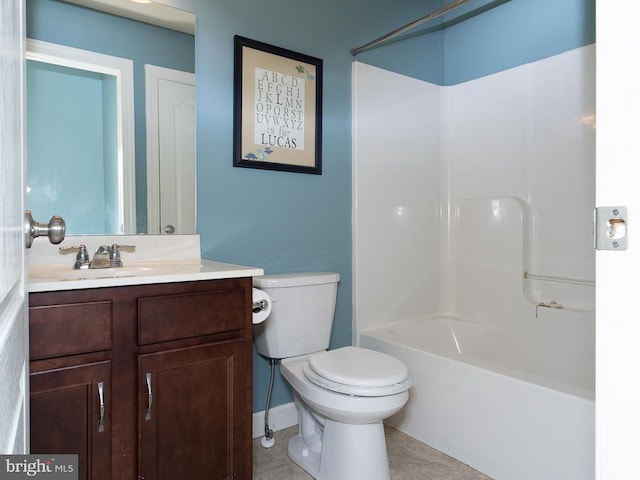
(159, 43)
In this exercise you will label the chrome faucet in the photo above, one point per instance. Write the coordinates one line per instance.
(109, 256)
(106, 256)
(82, 258)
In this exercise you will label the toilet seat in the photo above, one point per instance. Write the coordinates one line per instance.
(358, 371)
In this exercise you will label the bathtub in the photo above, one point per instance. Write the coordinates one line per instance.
(513, 405)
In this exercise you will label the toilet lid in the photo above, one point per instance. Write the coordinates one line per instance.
(359, 391)
(359, 367)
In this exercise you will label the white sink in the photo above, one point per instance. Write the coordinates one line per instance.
(61, 273)
(179, 254)
(43, 278)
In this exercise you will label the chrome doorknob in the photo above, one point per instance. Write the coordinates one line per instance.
(55, 229)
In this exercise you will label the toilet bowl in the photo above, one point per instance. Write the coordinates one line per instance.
(343, 395)
(350, 403)
(341, 435)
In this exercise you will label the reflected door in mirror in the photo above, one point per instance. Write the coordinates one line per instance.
(171, 196)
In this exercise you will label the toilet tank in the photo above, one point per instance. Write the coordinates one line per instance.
(302, 310)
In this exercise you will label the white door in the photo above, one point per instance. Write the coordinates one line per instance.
(171, 155)
(617, 292)
(14, 396)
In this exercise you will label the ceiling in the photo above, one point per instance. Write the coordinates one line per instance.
(151, 12)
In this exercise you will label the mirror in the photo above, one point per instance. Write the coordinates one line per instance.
(159, 43)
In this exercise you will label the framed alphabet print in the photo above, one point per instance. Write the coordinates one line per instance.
(277, 108)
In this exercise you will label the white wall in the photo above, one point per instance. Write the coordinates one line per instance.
(460, 190)
(397, 196)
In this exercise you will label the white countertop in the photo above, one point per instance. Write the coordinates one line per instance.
(157, 259)
(45, 278)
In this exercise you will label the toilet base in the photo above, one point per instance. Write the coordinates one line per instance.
(347, 452)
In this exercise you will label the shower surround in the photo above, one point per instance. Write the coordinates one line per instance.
(473, 258)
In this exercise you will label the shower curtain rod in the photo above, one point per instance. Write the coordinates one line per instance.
(435, 14)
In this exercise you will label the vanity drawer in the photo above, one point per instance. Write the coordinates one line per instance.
(85, 327)
(179, 316)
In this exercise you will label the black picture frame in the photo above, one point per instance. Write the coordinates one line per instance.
(277, 108)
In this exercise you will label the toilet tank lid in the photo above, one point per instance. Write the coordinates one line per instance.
(295, 279)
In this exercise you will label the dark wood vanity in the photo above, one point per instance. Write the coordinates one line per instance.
(152, 382)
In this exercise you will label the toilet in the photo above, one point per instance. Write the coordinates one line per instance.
(342, 395)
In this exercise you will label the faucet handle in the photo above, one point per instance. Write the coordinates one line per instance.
(82, 257)
(114, 253)
(124, 248)
(75, 248)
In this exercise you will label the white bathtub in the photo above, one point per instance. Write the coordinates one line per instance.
(515, 407)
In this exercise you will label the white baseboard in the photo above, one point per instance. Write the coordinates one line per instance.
(280, 417)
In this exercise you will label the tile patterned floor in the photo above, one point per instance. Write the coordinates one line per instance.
(409, 459)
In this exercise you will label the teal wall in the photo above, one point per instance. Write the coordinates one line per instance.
(484, 37)
(513, 33)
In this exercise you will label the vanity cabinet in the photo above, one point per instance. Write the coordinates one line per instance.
(187, 430)
(70, 382)
(145, 381)
(69, 415)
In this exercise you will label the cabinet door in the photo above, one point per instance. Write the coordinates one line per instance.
(71, 413)
(193, 413)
